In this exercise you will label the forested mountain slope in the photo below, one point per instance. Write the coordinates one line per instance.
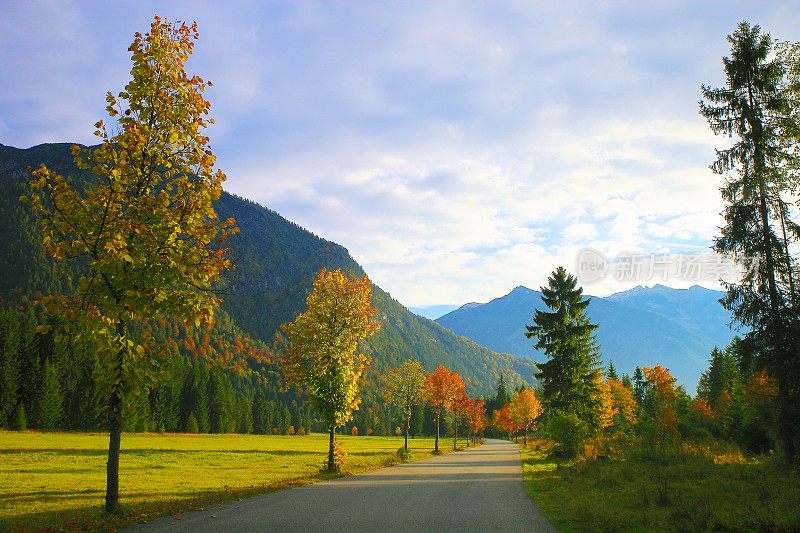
(275, 263)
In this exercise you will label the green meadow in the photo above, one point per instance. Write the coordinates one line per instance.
(57, 480)
(699, 491)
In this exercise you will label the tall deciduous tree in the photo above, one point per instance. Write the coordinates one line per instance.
(146, 229)
(524, 409)
(403, 387)
(443, 389)
(476, 417)
(753, 110)
(321, 352)
(566, 336)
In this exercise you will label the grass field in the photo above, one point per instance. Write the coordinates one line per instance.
(57, 480)
(685, 493)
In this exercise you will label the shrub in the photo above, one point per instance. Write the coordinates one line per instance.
(403, 454)
(354, 431)
(569, 432)
(338, 459)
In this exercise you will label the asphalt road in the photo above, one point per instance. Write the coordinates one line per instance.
(479, 489)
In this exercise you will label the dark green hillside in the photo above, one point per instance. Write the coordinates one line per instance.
(276, 261)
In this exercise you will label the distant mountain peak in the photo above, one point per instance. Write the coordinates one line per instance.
(520, 289)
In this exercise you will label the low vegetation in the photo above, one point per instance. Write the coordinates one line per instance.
(54, 481)
(711, 488)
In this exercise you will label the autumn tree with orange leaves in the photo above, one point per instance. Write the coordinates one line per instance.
(524, 409)
(321, 348)
(476, 418)
(659, 405)
(502, 421)
(145, 232)
(443, 390)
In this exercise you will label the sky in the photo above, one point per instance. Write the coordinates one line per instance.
(456, 149)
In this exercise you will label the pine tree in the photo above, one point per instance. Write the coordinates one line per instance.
(20, 418)
(9, 365)
(502, 397)
(639, 385)
(191, 424)
(611, 373)
(50, 402)
(751, 108)
(722, 375)
(261, 426)
(567, 337)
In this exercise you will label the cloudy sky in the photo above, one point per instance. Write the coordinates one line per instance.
(457, 149)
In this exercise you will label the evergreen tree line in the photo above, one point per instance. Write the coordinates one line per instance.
(47, 382)
(51, 383)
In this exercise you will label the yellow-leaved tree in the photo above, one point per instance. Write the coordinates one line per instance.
(321, 348)
(525, 408)
(144, 233)
(403, 388)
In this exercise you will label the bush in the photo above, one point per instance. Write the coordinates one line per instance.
(569, 432)
(403, 454)
(354, 431)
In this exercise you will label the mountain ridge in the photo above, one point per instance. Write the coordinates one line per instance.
(638, 327)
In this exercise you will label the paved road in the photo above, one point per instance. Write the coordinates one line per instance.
(479, 489)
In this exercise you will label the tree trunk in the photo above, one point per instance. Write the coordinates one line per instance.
(115, 427)
(436, 445)
(525, 439)
(455, 432)
(781, 356)
(331, 445)
(408, 427)
(779, 344)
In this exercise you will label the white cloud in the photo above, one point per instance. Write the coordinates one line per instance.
(456, 149)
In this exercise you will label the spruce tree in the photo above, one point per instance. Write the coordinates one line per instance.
(260, 425)
(751, 109)
(566, 336)
(50, 402)
(611, 372)
(20, 418)
(639, 385)
(502, 397)
(9, 365)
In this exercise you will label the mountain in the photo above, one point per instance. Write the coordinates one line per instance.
(640, 327)
(696, 308)
(432, 311)
(275, 264)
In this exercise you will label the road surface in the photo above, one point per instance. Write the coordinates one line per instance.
(479, 489)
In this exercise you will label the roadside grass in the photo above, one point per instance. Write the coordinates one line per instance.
(686, 492)
(56, 481)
